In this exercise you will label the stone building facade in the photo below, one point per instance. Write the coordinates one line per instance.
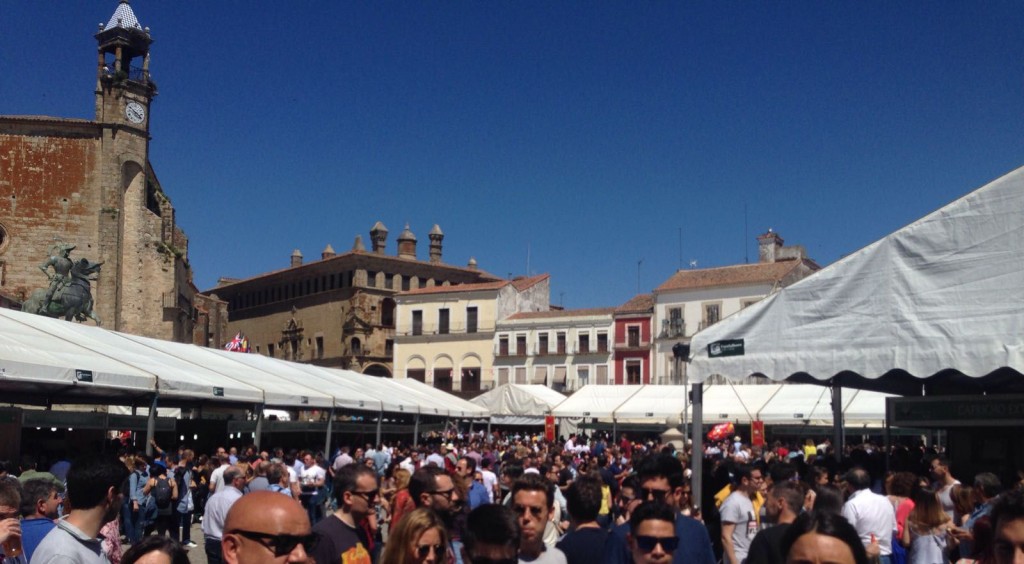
(90, 183)
(340, 310)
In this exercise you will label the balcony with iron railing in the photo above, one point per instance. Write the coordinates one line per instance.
(672, 328)
(439, 329)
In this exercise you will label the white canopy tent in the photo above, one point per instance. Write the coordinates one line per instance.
(175, 377)
(36, 358)
(737, 403)
(518, 404)
(454, 405)
(934, 307)
(595, 401)
(936, 303)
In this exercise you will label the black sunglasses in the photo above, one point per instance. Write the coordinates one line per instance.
(370, 497)
(522, 509)
(446, 493)
(647, 544)
(651, 492)
(280, 545)
(423, 550)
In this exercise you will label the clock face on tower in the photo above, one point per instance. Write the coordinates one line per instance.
(135, 112)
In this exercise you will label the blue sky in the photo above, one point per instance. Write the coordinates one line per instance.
(575, 138)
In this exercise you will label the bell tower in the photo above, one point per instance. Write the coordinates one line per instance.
(124, 88)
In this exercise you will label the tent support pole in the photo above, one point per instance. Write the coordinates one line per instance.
(837, 422)
(259, 425)
(697, 458)
(888, 443)
(488, 429)
(380, 422)
(330, 429)
(416, 431)
(615, 425)
(151, 426)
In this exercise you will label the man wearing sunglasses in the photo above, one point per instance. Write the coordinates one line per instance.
(533, 499)
(341, 538)
(652, 535)
(661, 479)
(264, 528)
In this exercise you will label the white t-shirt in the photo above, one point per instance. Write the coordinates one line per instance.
(739, 510)
(871, 514)
(490, 481)
(313, 474)
(293, 477)
(217, 477)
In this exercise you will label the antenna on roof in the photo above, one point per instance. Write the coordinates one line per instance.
(693, 264)
(746, 246)
(680, 248)
(638, 263)
(528, 258)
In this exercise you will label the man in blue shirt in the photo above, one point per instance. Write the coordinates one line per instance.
(40, 499)
(661, 479)
(477, 493)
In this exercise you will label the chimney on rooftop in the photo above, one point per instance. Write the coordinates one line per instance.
(296, 258)
(769, 247)
(406, 244)
(328, 252)
(379, 237)
(436, 236)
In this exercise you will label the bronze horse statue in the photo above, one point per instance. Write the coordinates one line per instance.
(74, 300)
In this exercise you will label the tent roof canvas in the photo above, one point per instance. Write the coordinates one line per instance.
(455, 406)
(529, 400)
(595, 401)
(938, 301)
(36, 356)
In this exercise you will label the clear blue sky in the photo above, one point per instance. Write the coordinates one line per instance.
(583, 135)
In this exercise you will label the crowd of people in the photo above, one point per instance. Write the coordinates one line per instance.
(506, 499)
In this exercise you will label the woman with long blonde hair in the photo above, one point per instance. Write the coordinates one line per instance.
(402, 502)
(419, 538)
(924, 534)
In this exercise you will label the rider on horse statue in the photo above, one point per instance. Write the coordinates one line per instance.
(61, 264)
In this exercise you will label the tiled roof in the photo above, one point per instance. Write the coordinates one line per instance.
(482, 274)
(123, 17)
(525, 283)
(47, 118)
(562, 313)
(519, 284)
(731, 275)
(639, 303)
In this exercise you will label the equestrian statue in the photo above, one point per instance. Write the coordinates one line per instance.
(69, 293)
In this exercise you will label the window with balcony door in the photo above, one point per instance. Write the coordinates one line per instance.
(602, 342)
(417, 322)
(560, 343)
(542, 344)
(503, 346)
(633, 372)
(443, 317)
(712, 314)
(633, 336)
(471, 320)
(584, 344)
(521, 345)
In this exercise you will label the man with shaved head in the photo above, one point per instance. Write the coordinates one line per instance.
(264, 527)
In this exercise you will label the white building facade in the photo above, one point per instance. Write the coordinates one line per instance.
(691, 300)
(561, 349)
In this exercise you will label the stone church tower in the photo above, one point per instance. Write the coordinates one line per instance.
(90, 183)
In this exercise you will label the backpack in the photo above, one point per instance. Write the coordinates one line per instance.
(162, 493)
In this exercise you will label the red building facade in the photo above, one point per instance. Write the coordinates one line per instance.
(633, 343)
